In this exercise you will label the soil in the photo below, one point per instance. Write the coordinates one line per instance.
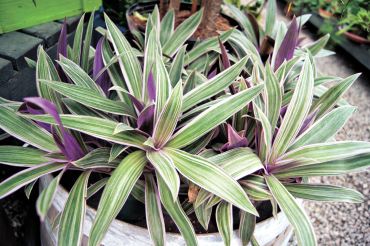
(222, 24)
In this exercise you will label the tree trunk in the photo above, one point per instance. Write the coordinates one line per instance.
(194, 6)
(211, 11)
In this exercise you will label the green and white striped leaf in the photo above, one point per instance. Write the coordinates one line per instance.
(93, 126)
(45, 69)
(246, 227)
(184, 31)
(79, 76)
(116, 193)
(213, 86)
(318, 45)
(165, 167)
(296, 113)
(210, 177)
(129, 64)
(238, 162)
(266, 133)
(203, 215)
(122, 127)
(293, 211)
(115, 151)
(167, 26)
(177, 66)
(153, 211)
(22, 156)
(97, 158)
(95, 187)
(162, 84)
(176, 212)
(224, 220)
(88, 98)
(325, 128)
(273, 96)
(243, 20)
(167, 120)
(212, 117)
(331, 97)
(86, 44)
(210, 44)
(26, 176)
(270, 17)
(26, 130)
(324, 193)
(151, 52)
(138, 191)
(329, 168)
(46, 197)
(77, 42)
(72, 218)
(322, 152)
(114, 73)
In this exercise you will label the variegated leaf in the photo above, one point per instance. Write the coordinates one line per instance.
(212, 117)
(165, 167)
(213, 86)
(93, 126)
(72, 218)
(210, 177)
(115, 194)
(224, 220)
(26, 130)
(176, 212)
(295, 213)
(153, 211)
(326, 193)
(296, 113)
(22, 156)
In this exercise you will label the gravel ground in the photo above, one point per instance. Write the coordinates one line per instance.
(344, 223)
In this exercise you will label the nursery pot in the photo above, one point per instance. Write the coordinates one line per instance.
(356, 38)
(272, 231)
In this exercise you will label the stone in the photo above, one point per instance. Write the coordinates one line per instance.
(14, 46)
(49, 32)
(6, 70)
(23, 84)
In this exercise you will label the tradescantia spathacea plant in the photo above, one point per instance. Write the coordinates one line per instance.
(155, 117)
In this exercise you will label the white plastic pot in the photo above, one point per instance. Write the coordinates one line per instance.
(268, 232)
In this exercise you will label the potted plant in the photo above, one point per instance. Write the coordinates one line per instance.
(356, 27)
(187, 137)
(177, 13)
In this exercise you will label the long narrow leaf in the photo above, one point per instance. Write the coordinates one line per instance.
(212, 117)
(26, 130)
(210, 177)
(294, 212)
(21, 156)
(25, 177)
(224, 220)
(72, 218)
(176, 212)
(115, 194)
(153, 211)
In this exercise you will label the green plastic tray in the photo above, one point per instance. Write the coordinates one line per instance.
(17, 14)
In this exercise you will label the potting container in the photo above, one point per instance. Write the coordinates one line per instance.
(272, 231)
(17, 14)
